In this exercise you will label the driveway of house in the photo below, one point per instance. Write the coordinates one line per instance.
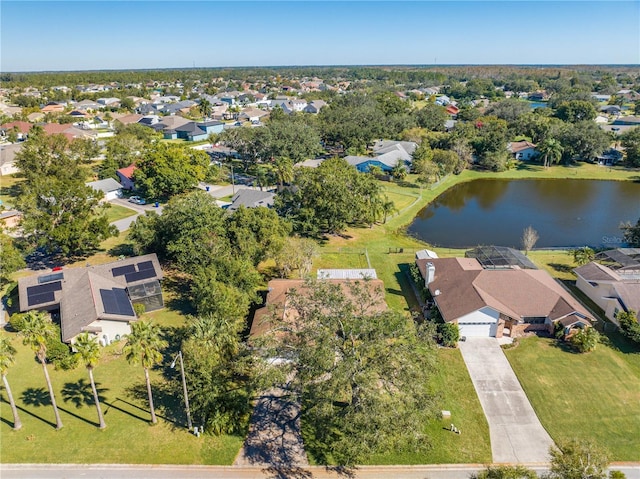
(516, 433)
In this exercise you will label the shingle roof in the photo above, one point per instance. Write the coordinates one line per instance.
(464, 286)
(251, 199)
(596, 272)
(106, 186)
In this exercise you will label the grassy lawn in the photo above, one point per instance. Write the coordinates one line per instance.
(8, 190)
(458, 396)
(118, 212)
(128, 437)
(587, 396)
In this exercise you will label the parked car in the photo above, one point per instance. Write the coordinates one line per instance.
(137, 200)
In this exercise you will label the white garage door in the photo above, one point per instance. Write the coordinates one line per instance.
(484, 330)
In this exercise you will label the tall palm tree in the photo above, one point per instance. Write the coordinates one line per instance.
(7, 358)
(37, 330)
(143, 347)
(88, 350)
(399, 172)
(388, 207)
(551, 150)
(205, 108)
(284, 171)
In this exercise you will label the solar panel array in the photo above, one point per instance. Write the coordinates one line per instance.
(44, 293)
(116, 301)
(137, 272)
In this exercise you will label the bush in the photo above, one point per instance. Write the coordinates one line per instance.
(418, 280)
(448, 334)
(139, 309)
(629, 325)
(585, 340)
(17, 322)
(60, 354)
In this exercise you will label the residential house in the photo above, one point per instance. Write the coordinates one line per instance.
(96, 299)
(53, 107)
(601, 120)
(149, 120)
(10, 219)
(88, 105)
(109, 187)
(538, 96)
(129, 119)
(627, 121)
(443, 100)
(523, 150)
(496, 291)
(8, 158)
(193, 131)
(22, 129)
(452, 110)
(109, 101)
(611, 109)
(315, 106)
(610, 157)
(125, 175)
(252, 114)
(293, 106)
(612, 281)
(601, 98)
(35, 117)
(251, 199)
(69, 131)
(388, 154)
(629, 95)
(278, 309)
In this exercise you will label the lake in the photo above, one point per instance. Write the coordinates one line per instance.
(564, 213)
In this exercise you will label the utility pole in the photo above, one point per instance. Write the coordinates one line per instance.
(184, 388)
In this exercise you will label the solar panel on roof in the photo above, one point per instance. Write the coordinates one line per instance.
(145, 265)
(35, 299)
(146, 274)
(44, 288)
(120, 270)
(116, 301)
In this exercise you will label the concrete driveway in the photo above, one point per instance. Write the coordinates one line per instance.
(516, 433)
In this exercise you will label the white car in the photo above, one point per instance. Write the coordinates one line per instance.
(137, 200)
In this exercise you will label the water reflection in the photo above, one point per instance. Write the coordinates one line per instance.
(564, 212)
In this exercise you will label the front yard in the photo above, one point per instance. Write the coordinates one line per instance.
(592, 396)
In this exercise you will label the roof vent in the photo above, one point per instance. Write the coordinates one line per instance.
(437, 292)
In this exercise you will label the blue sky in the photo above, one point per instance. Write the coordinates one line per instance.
(82, 35)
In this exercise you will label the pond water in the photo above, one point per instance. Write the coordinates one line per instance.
(537, 104)
(565, 213)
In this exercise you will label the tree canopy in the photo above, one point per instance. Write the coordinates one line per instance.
(167, 170)
(361, 375)
(60, 213)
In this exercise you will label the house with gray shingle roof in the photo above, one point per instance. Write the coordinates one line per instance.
(95, 299)
(251, 199)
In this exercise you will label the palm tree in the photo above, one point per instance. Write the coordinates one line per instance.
(37, 330)
(399, 172)
(583, 255)
(143, 347)
(284, 170)
(7, 358)
(88, 350)
(388, 207)
(205, 108)
(551, 151)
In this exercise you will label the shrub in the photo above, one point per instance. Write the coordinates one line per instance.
(629, 325)
(585, 340)
(60, 354)
(448, 334)
(139, 309)
(17, 322)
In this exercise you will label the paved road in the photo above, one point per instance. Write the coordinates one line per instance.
(107, 471)
(516, 433)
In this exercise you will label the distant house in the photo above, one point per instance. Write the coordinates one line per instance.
(251, 199)
(495, 292)
(193, 131)
(627, 120)
(601, 120)
(630, 95)
(97, 299)
(443, 100)
(129, 119)
(611, 109)
(10, 219)
(523, 150)
(53, 107)
(610, 157)
(110, 187)
(612, 281)
(21, 127)
(110, 101)
(8, 157)
(452, 110)
(538, 96)
(600, 97)
(126, 177)
(315, 106)
(388, 153)
(252, 114)
(36, 116)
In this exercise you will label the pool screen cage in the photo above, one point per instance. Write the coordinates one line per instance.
(149, 294)
(500, 257)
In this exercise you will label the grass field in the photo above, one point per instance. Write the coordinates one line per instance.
(118, 212)
(128, 437)
(592, 396)
(458, 396)
(8, 190)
